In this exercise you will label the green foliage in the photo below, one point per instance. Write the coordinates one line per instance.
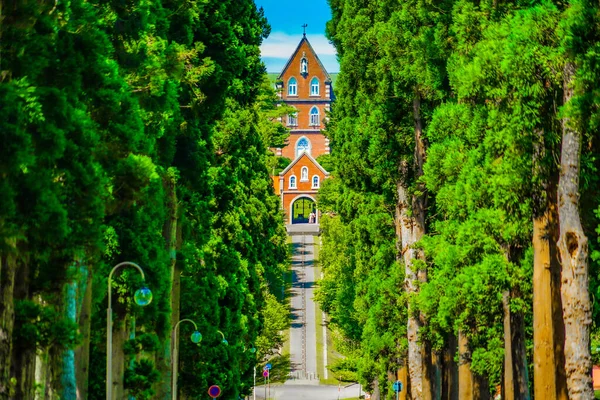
(140, 378)
(44, 326)
(488, 77)
(117, 119)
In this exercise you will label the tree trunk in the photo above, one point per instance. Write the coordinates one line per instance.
(163, 359)
(8, 267)
(573, 247)
(548, 327)
(411, 222)
(69, 381)
(509, 379)
(437, 363)
(403, 377)
(465, 376)
(23, 354)
(450, 370)
(376, 395)
(481, 388)
(120, 336)
(82, 353)
(522, 390)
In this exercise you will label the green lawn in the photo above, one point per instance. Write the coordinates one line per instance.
(332, 355)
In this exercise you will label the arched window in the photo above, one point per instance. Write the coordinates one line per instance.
(293, 119)
(315, 182)
(314, 87)
(292, 184)
(302, 145)
(304, 174)
(314, 116)
(292, 87)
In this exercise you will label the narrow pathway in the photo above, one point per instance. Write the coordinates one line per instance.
(303, 333)
(304, 380)
(312, 392)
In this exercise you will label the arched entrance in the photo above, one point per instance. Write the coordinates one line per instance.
(301, 209)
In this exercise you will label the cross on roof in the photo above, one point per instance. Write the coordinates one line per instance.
(304, 26)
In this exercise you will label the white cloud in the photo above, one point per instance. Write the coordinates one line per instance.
(282, 45)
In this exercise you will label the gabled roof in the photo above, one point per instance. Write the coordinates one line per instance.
(304, 154)
(304, 39)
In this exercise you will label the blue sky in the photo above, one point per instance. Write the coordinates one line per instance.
(286, 18)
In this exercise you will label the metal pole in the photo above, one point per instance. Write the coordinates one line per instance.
(175, 358)
(174, 363)
(109, 326)
(254, 388)
(109, 349)
(265, 387)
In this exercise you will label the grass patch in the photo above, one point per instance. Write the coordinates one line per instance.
(597, 394)
(320, 341)
(331, 354)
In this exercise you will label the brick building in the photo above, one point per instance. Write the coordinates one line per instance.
(305, 85)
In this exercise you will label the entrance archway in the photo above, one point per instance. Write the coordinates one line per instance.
(301, 208)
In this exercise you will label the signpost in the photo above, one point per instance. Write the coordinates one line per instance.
(214, 391)
(267, 370)
(265, 375)
(397, 388)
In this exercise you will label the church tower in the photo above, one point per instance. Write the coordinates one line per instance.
(305, 85)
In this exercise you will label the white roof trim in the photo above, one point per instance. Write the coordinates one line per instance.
(282, 173)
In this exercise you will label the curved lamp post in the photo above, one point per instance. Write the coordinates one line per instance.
(196, 338)
(142, 297)
(224, 341)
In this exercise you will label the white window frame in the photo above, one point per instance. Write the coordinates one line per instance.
(304, 174)
(298, 153)
(292, 179)
(293, 86)
(318, 185)
(293, 119)
(314, 117)
(314, 86)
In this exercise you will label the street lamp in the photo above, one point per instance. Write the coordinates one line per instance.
(224, 341)
(142, 297)
(196, 338)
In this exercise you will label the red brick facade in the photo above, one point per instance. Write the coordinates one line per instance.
(305, 85)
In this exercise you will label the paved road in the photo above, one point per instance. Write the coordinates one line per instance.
(312, 392)
(303, 333)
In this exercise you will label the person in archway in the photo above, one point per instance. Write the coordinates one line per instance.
(311, 218)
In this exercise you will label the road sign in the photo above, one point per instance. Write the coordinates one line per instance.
(266, 373)
(397, 386)
(214, 391)
(268, 366)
